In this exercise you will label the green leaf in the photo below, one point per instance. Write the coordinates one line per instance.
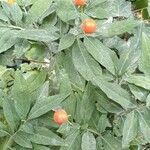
(148, 101)
(44, 136)
(118, 125)
(22, 139)
(84, 63)
(73, 141)
(111, 143)
(105, 103)
(37, 10)
(13, 12)
(67, 129)
(2, 70)
(78, 97)
(118, 27)
(21, 95)
(40, 147)
(3, 130)
(101, 53)
(75, 78)
(65, 85)
(27, 128)
(103, 122)
(99, 143)
(95, 9)
(37, 52)
(116, 93)
(38, 35)
(3, 16)
(139, 80)
(36, 79)
(7, 40)
(66, 10)
(138, 92)
(87, 103)
(10, 113)
(66, 41)
(88, 141)
(124, 62)
(145, 55)
(44, 91)
(42, 107)
(119, 8)
(130, 129)
(69, 105)
(21, 47)
(144, 123)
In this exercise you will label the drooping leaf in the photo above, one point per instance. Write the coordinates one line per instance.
(75, 78)
(42, 107)
(3, 130)
(130, 129)
(148, 100)
(84, 63)
(139, 80)
(38, 35)
(138, 92)
(22, 139)
(66, 41)
(13, 12)
(124, 62)
(72, 141)
(101, 53)
(111, 143)
(95, 9)
(37, 10)
(21, 46)
(105, 103)
(44, 91)
(144, 64)
(116, 93)
(65, 84)
(87, 103)
(66, 10)
(7, 40)
(36, 79)
(67, 129)
(118, 27)
(103, 122)
(40, 147)
(88, 141)
(119, 8)
(144, 123)
(10, 113)
(21, 96)
(46, 137)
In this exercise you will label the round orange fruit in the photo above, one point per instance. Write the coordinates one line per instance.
(60, 116)
(89, 26)
(80, 2)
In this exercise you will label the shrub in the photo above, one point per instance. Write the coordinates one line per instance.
(88, 59)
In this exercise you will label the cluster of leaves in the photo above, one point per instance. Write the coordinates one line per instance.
(102, 80)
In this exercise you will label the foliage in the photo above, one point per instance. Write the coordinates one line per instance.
(102, 80)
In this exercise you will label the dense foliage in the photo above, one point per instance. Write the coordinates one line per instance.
(90, 59)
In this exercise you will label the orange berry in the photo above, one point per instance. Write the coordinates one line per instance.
(60, 116)
(80, 2)
(11, 2)
(89, 26)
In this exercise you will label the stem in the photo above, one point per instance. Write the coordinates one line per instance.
(95, 132)
(141, 9)
(11, 26)
(35, 61)
(9, 143)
